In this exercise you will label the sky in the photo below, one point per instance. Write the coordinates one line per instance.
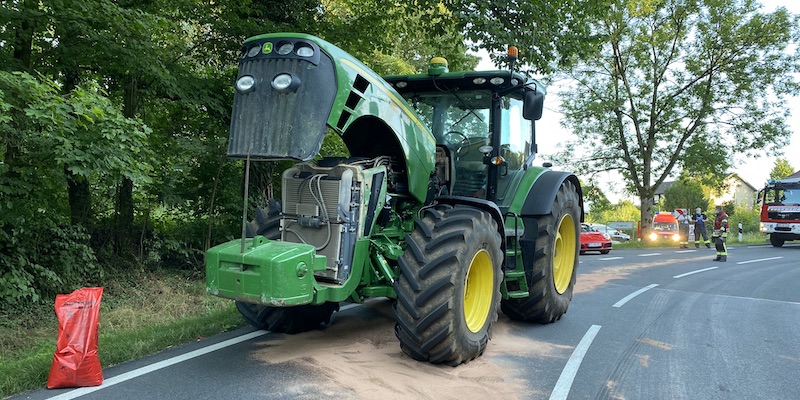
(753, 171)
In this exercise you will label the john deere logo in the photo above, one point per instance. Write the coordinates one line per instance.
(267, 48)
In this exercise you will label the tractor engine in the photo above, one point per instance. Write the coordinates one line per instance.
(329, 205)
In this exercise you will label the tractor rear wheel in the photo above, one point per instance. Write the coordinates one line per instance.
(280, 319)
(448, 289)
(551, 275)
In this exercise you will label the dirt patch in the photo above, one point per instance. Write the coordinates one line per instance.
(360, 354)
(655, 343)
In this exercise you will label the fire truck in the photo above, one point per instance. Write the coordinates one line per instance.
(780, 210)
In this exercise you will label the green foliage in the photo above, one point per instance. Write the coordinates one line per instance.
(595, 199)
(681, 84)
(623, 211)
(781, 169)
(41, 259)
(685, 193)
(748, 217)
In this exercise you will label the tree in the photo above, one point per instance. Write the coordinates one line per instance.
(781, 170)
(596, 201)
(681, 84)
(685, 193)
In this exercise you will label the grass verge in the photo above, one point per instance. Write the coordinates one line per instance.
(140, 314)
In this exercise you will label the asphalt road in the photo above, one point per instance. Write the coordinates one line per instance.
(643, 324)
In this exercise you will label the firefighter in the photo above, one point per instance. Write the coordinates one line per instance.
(700, 232)
(683, 227)
(720, 234)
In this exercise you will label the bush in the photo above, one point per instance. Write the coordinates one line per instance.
(41, 258)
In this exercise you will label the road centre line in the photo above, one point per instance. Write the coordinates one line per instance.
(610, 258)
(695, 272)
(166, 363)
(564, 383)
(759, 260)
(649, 254)
(685, 251)
(632, 295)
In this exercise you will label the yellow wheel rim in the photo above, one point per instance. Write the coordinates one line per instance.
(564, 253)
(478, 290)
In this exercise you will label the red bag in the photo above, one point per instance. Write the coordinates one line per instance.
(75, 362)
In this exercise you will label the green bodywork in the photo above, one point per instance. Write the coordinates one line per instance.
(373, 119)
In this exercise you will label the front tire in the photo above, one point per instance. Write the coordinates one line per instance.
(776, 240)
(280, 319)
(448, 289)
(551, 273)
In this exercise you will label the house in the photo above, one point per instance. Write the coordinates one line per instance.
(794, 175)
(737, 191)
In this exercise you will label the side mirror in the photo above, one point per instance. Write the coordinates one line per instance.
(533, 105)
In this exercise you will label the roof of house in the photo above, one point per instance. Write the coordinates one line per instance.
(663, 187)
(794, 175)
(742, 180)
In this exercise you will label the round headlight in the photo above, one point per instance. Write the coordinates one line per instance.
(653, 236)
(245, 83)
(305, 51)
(285, 49)
(496, 80)
(515, 82)
(253, 51)
(282, 82)
(676, 237)
(479, 81)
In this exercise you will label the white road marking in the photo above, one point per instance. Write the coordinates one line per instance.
(632, 295)
(610, 258)
(759, 260)
(166, 363)
(159, 365)
(695, 272)
(564, 383)
(649, 254)
(685, 251)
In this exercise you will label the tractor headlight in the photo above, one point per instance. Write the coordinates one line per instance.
(285, 82)
(653, 236)
(285, 48)
(497, 80)
(245, 83)
(479, 81)
(305, 51)
(254, 51)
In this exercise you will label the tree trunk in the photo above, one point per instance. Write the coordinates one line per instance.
(646, 206)
(123, 224)
(80, 199)
(78, 189)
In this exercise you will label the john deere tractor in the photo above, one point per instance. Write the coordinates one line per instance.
(439, 205)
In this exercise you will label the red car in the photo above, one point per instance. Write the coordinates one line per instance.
(592, 240)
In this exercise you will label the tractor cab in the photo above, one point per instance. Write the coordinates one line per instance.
(482, 123)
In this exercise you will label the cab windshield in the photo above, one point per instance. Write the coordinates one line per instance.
(461, 122)
(783, 196)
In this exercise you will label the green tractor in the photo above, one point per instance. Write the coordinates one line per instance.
(438, 205)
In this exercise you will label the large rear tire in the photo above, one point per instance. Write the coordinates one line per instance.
(448, 289)
(776, 240)
(551, 274)
(280, 319)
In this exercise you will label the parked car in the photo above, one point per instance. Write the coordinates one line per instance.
(592, 240)
(616, 234)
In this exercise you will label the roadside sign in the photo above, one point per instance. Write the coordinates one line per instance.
(621, 225)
